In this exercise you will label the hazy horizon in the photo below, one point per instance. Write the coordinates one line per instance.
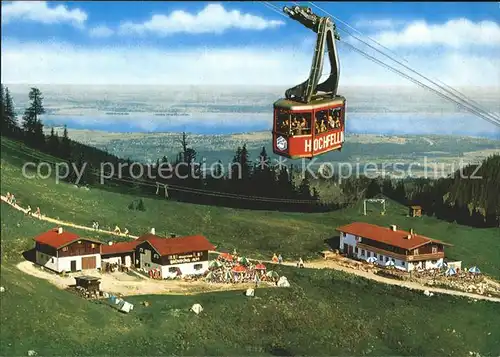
(230, 109)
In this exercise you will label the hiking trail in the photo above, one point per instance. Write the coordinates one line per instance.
(314, 264)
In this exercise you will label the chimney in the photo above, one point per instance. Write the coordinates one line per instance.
(153, 231)
(59, 230)
(393, 227)
(408, 236)
(411, 231)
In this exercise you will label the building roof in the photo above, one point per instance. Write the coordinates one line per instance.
(168, 246)
(118, 248)
(397, 238)
(58, 240)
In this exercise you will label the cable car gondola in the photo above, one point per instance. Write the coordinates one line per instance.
(310, 120)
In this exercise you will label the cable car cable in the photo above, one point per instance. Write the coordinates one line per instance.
(464, 97)
(491, 118)
(478, 108)
(172, 187)
(416, 81)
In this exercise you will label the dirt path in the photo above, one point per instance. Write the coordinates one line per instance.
(325, 264)
(332, 264)
(157, 287)
(124, 284)
(63, 223)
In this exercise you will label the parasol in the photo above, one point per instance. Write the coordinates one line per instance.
(239, 269)
(272, 274)
(225, 256)
(260, 266)
(215, 264)
(243, 261)
(474, 270)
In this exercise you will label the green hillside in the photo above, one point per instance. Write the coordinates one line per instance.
(323, 313)
(256, 233)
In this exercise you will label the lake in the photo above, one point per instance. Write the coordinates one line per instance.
(228, 123)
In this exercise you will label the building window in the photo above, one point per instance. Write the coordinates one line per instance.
(356, 250)
(434, 261)
(52, 260)
(381, 257)
(362, 252)
(156, 256)
(415, 252)
(434, 249)
(386, 259)
(141, 250)
(198, 266)
(79, 242)
(65, 249)
(172, 270)
(403, 263)
(92, 245)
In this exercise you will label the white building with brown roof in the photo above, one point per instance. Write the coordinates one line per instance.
(407, 250)
(60, 251)
(180, 255)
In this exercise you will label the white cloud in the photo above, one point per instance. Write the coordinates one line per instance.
(457, 33)
(39, 11)
(378, 24)
(101, 31)
(213, 18)
(57, 63)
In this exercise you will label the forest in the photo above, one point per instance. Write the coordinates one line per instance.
(253, 183)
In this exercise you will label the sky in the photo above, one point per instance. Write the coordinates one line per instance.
(241, 43)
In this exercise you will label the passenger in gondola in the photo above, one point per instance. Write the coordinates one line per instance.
(331, 122)
(285, 126)
(323, 126)
(317, 128)
(304, 126)
(295, 126)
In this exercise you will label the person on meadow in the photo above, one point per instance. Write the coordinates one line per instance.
(38, 213)
(28, 210)
(274, 258)
(300, 264)
(280, 259)
(257, 280)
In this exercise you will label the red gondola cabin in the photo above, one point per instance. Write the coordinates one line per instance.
(307, 130)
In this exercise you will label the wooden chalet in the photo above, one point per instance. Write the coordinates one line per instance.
(121, 253)
(390, 246)
(180, 255)
(63, 251)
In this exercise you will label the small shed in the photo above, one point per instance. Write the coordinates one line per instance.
(415, 211)
(91, 283)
